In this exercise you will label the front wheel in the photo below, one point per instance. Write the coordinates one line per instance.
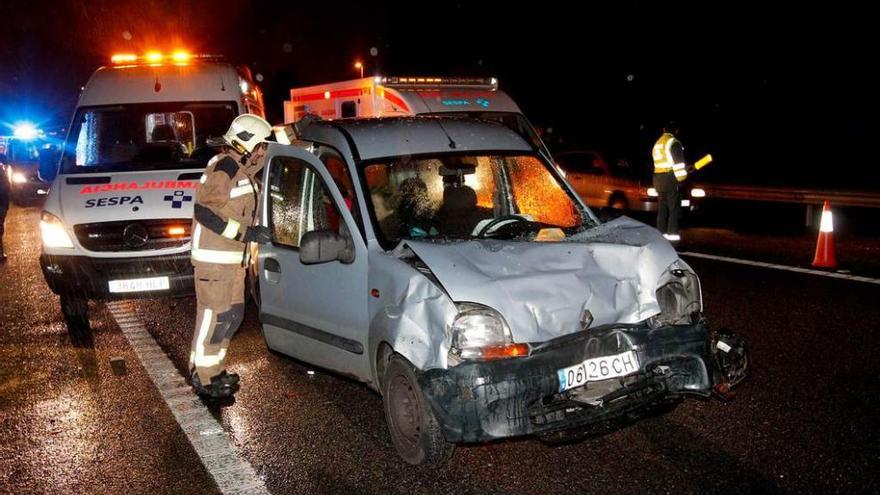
(414, 430)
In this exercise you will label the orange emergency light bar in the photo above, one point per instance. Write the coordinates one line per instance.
(702, 162)
(124, 58)
(153, 57)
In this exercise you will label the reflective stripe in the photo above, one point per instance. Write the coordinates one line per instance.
(206, 361)
(231, 229)
(826, 224)
(678, 166)
(244, 182)
(199, 358)
(662, 154)
(211, 255)
(680, 174)
(203, 179)
(214, 256)
(240, 191)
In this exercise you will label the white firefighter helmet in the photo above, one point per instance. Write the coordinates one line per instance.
(246, 131)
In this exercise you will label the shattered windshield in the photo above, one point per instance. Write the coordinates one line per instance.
(470, 196)
(144, 136)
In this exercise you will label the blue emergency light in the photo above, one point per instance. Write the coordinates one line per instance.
(25, 131)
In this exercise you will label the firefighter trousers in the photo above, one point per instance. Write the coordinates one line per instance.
(220, 310)
(668, 202)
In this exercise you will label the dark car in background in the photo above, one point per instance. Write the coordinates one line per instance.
(22, 158)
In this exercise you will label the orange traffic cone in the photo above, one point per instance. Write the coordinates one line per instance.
(825, 256)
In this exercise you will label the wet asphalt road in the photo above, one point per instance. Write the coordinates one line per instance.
(806, 421)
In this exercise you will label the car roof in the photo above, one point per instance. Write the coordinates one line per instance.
(417, 135)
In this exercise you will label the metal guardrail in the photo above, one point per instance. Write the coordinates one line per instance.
(863, 199)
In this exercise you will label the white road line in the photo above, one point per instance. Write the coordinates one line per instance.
(214, 447)
(795, 269)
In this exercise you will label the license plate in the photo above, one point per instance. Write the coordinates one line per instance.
(596, 369)
(139, 284)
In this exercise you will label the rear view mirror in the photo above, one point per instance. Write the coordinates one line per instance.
(324, 246)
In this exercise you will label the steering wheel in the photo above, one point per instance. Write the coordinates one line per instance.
(504, 218)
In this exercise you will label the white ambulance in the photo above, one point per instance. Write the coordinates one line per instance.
(401, 96)
(116, 222)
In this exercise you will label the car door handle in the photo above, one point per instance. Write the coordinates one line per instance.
(272, 265)
(272, 270)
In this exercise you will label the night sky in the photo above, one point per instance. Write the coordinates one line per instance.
(779, 95)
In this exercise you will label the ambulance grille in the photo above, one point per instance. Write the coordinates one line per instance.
(140, 235)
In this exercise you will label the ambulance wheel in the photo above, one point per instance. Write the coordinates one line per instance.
(76, 314)
(414, 429)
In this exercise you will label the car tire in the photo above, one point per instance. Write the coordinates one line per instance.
(618, 202)
(76, 314)
(414, 429)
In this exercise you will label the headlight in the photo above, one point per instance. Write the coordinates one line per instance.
(53, 233)
(18, 178)
(652, 192)
(479, 332)
(698, 193)
(679, 297)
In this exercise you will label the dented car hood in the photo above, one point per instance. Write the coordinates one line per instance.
(543, 289)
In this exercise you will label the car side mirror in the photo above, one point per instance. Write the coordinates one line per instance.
(324, 246)
(48, 167)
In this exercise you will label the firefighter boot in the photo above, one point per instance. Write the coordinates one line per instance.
(228, 378)
(217, 389)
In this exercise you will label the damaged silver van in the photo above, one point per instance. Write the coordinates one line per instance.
(445, 263)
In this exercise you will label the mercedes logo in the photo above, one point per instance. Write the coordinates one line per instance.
(135, 235)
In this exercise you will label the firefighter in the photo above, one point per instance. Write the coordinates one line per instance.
(669, 171)
(224, 221)
(4, 205)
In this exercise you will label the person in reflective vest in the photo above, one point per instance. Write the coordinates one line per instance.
(224, 221)
(669, 171)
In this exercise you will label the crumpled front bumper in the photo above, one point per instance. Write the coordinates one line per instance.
(480, 401)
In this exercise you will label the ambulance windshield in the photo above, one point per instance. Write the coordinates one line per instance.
(144, 136)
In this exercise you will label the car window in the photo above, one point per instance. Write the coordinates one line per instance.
(299, 202)
(446, 196)
(338, 170)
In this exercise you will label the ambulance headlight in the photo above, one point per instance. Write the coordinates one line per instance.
(18, 178)
(53, 232)
(652, 192)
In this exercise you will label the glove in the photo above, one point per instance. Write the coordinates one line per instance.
(258, 234)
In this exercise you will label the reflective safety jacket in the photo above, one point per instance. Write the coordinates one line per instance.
(225, 207)
(668, 156)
